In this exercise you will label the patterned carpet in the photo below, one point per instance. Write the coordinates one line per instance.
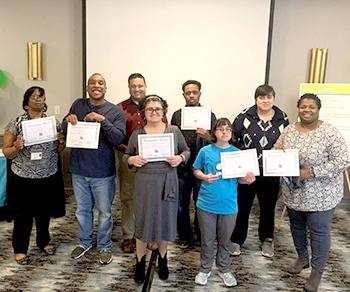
(253, 272)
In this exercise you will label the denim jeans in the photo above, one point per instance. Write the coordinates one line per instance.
(93, 192)
(319, 226)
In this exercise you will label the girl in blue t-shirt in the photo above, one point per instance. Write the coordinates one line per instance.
(217, 204)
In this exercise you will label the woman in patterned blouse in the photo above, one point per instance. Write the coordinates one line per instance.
(311, 201)
(35, 182)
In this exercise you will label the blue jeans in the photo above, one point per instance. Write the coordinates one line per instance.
(319, 225)
(93, 192)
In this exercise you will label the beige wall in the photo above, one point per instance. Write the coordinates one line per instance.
(58, 25)
(300, 25)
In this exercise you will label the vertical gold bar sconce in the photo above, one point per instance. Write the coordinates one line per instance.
(318, 63)
(35, 71)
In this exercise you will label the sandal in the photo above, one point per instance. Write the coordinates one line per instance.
(49, 249)
(23, 261)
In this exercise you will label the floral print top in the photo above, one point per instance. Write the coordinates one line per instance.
(325, 150)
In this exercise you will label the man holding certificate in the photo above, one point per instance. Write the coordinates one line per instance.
(195, 123)
(93, 170)
(155, 151)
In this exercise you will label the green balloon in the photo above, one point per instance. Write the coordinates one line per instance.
(2, 78)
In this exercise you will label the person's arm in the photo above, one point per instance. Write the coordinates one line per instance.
(61, 141)
(183, 150)
(71, 117)
(115, 131)
(12, 145)
(209, 178)
(338, 156)
(248, 179)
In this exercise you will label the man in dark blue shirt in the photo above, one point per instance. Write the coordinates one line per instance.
(93, 170)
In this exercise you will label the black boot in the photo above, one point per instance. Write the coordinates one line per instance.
(163, 270)
(140, 270)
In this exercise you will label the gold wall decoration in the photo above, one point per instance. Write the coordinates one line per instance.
(35, 70)
(318, 62)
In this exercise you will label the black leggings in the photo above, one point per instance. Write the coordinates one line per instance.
(266, 189)
(22, 228)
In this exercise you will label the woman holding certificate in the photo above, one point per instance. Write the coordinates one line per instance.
(311, 202)
(258, 127)
(155, 151)
(35, 183)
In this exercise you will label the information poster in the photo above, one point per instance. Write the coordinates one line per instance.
(335, 98)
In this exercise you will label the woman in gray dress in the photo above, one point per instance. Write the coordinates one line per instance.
(156, 188)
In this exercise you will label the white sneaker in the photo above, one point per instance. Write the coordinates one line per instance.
(202, 278)
(234, 249)
(228, 278)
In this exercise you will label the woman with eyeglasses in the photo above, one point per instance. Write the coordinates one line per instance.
(156, 188)
(35, 183)
(323, 156)
(258, 127)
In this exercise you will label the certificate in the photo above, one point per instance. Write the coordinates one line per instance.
(193, 117)
(156, 147)
(83, 135)
(238, 163)
(37, 131)
(281, 162)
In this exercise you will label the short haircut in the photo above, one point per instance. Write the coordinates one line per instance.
(312, 96)
(222, 122)
(264, 90)
(29, 93)
(136, 75)
(188, 82)
(153, 97)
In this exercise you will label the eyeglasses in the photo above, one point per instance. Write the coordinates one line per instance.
(222, 130)
(157, 110)
(194, 92)
(37, 97)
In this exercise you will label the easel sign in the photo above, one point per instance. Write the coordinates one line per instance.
(335, 98)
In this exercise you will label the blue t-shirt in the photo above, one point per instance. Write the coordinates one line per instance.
(219, 197)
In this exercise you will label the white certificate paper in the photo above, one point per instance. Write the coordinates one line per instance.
(193, 117)
(281, 163)
(238, 163)
(37, 131)
(83, 135)
(156, 147)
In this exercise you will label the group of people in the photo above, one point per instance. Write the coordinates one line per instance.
(156, 196)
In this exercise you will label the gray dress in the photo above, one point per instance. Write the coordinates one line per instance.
(156, 192)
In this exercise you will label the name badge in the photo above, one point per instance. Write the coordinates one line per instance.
(36, 155)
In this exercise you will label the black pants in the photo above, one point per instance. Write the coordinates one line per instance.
(266, 189)
(188, 184)
(22, 228)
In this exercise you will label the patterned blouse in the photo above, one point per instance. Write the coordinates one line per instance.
(251, 132)
(324, 149)
(22, 165)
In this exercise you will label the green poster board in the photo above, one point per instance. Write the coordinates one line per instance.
(335, 98)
